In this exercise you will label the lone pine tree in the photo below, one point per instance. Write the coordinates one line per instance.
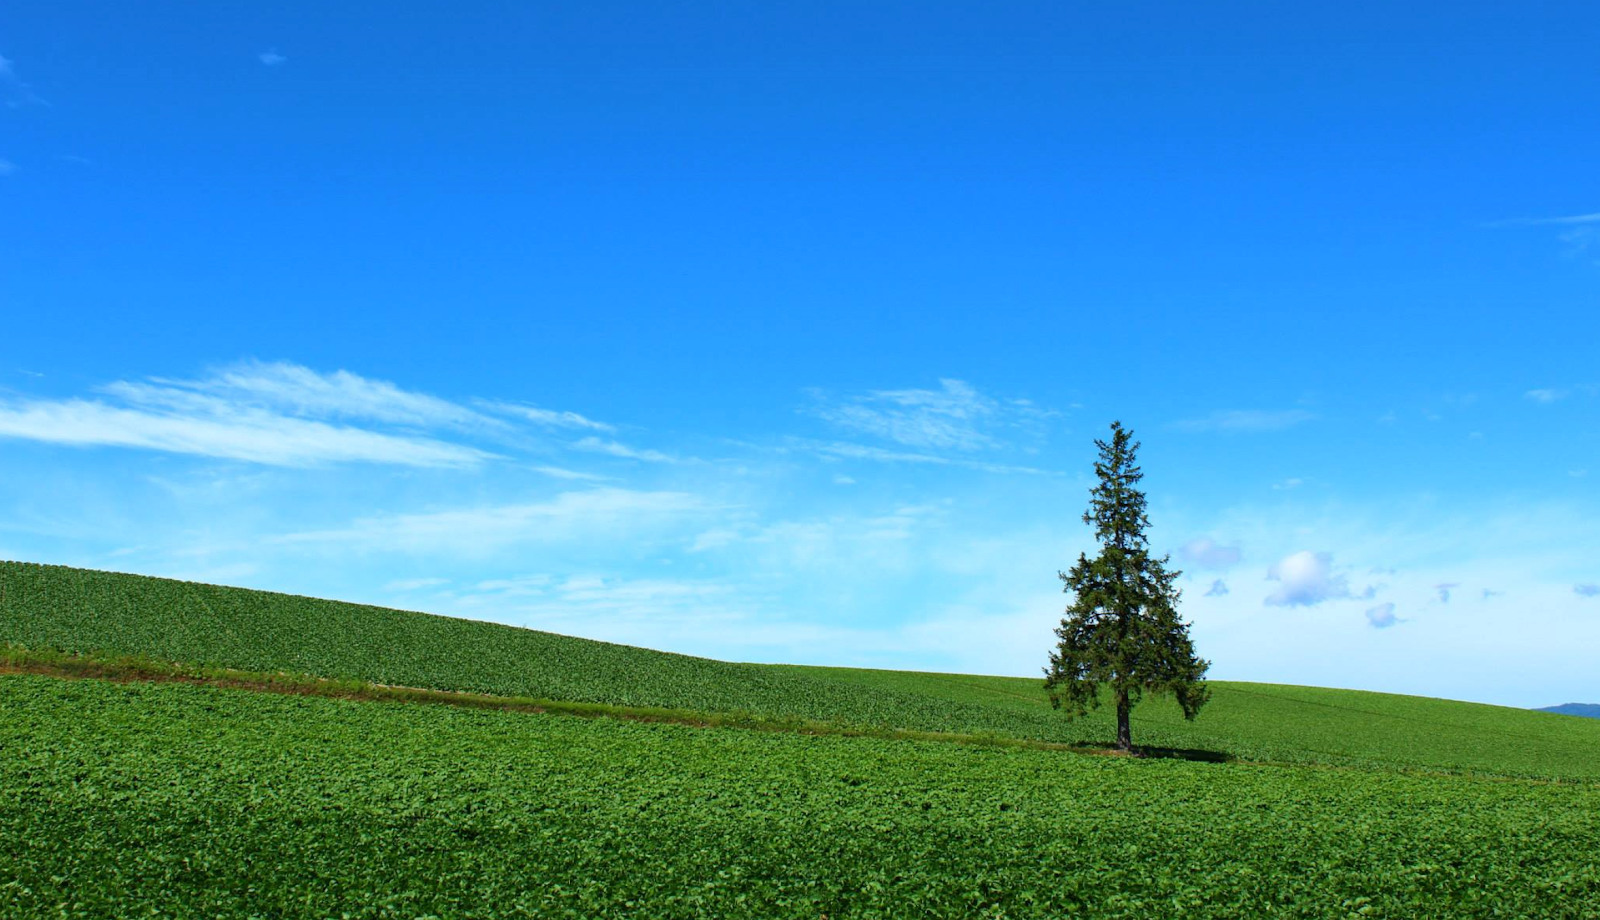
(1122, 629)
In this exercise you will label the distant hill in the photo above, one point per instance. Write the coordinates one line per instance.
(1591, 710)
(47, 607)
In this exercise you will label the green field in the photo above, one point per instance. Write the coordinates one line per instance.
(52, 607)
(146, 799)
(162, 799)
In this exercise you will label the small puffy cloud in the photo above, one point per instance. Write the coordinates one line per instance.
(271, 57)
(1381, 616)
(1444, 590)
(1306, 578)
(1586, 590)
(1246, 420)
(1218, 588)
(1209, 554)
(1545, 395)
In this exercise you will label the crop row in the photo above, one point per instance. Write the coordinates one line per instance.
(179, 801)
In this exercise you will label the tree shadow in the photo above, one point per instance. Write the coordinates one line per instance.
(1194, 754)
(1155, 753)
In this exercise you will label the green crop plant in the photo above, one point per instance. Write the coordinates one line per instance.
(171, 800)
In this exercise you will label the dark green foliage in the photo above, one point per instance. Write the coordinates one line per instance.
(144, 800)
(1122, 629)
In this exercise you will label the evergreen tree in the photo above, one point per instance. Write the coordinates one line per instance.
(1122, 629)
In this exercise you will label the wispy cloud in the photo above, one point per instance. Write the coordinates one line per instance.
(13, 90)
(284, 414)
(568, 516)
(549, 418)
(617, 449)
(1219, 588)
(844, 450)
(1246, 420)
(300, 391)
(275, 414)
(251, 435)
(1293, 482)
(271, 57)
(1546, 395)
(1444, 590)
(954, 417)
(1586, 590)
(1580, 235)
(1305, 579)
(7, 167)
(1568, 220)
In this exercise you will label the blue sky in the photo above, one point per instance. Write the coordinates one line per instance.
(783, 334)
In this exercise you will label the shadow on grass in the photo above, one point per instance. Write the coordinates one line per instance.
(1155, 753)
(1185, 754)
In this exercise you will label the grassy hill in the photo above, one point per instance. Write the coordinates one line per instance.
(148, 799)
(180, 800)
(59, 608)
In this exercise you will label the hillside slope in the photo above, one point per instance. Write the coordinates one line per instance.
(180, 801)
(54, 607)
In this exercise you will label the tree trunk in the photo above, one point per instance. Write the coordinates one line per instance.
(1124, 734)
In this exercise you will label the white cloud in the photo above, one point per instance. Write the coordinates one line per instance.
(1208, 553)
(954, 417)
(7, 167)
(1537, 221)
(1586, 590)
(1381, 616)
(547, 417)
(300, 391)
(224, 431)
(1287, 484)
(1306, 578)
(281, 414)
(1246, 420)
(1219, 588)
(843, 480)
(1546, 396)
(271, 413)
(558, 472)
(846, 451)
(271, 57)
(615, 449)
(568, 516)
